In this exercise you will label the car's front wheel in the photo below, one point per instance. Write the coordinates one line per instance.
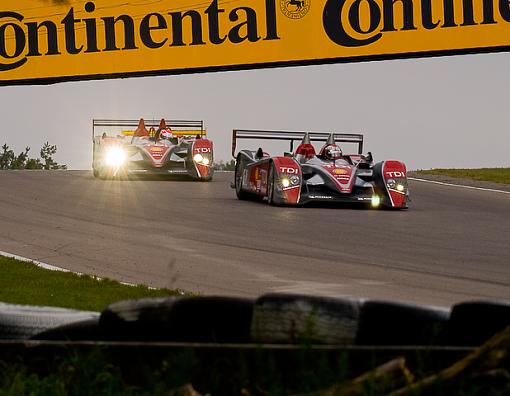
(238, 179)
(271, 187)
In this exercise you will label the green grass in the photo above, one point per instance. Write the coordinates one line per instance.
(496, 175)
(24, 283)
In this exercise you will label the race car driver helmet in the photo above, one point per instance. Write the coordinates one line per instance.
(332, 152)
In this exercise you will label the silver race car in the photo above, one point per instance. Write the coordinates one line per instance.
(128, 147)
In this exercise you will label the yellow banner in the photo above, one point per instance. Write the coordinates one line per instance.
(44, 42)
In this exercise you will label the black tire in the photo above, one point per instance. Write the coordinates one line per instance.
(474, 322)
(193, 319)
(238, 175)
(290, 319)
(211, 320)
(24, 321)
(393, 323)
(101, 173)
(95, 171)
(85, 330)
(145, 319)
(271, 186)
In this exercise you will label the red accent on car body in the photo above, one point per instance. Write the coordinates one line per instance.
(289, 166)
(204, 147)
(306, 151)
(395, 170)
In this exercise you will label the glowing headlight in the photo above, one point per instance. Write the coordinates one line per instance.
(205, 161)
(376, 201)
(391, 183)
(400, 187)
(115, 156)
(285, 182)
(198, 158)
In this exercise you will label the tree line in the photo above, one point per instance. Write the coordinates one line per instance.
(10, 160)
(225, 166)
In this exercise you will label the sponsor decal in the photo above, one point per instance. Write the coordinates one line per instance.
(395, 174)
(157, 152)
(295, 9)
(203, 150)
(341, 175)
(290, 171)
(397, 170)
(45, 42)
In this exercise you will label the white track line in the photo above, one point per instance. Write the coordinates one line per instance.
(458, 185)
(36, 263)
(53, 268)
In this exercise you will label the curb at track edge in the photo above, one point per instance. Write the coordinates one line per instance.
(459, 185)
(50, 267)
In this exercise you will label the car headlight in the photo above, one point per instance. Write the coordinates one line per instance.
(294, 180)
(202, 160)
(115, 156)
(391, 183)
(400, 187)
(289, 180)
(376, 201)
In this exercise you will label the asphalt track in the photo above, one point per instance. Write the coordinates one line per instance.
(453, 244)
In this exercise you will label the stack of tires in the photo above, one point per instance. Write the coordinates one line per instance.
(269, 319)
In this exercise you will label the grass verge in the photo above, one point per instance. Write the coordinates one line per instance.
(495, 175)
(25, 283)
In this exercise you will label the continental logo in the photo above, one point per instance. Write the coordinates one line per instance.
(344, 25)
(126, 32)
(106, 37)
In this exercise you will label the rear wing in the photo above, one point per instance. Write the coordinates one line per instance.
(128, 127)
(295, 136)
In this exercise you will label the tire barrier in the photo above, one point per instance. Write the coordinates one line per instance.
(289, 319)
(83, 330)
(186, 319)
(211, 319)
(23, 321)
(137, 320)
(474, 322)
(270, 319)
(392, 323)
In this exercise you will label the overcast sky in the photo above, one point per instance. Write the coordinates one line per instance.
(435, 112)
